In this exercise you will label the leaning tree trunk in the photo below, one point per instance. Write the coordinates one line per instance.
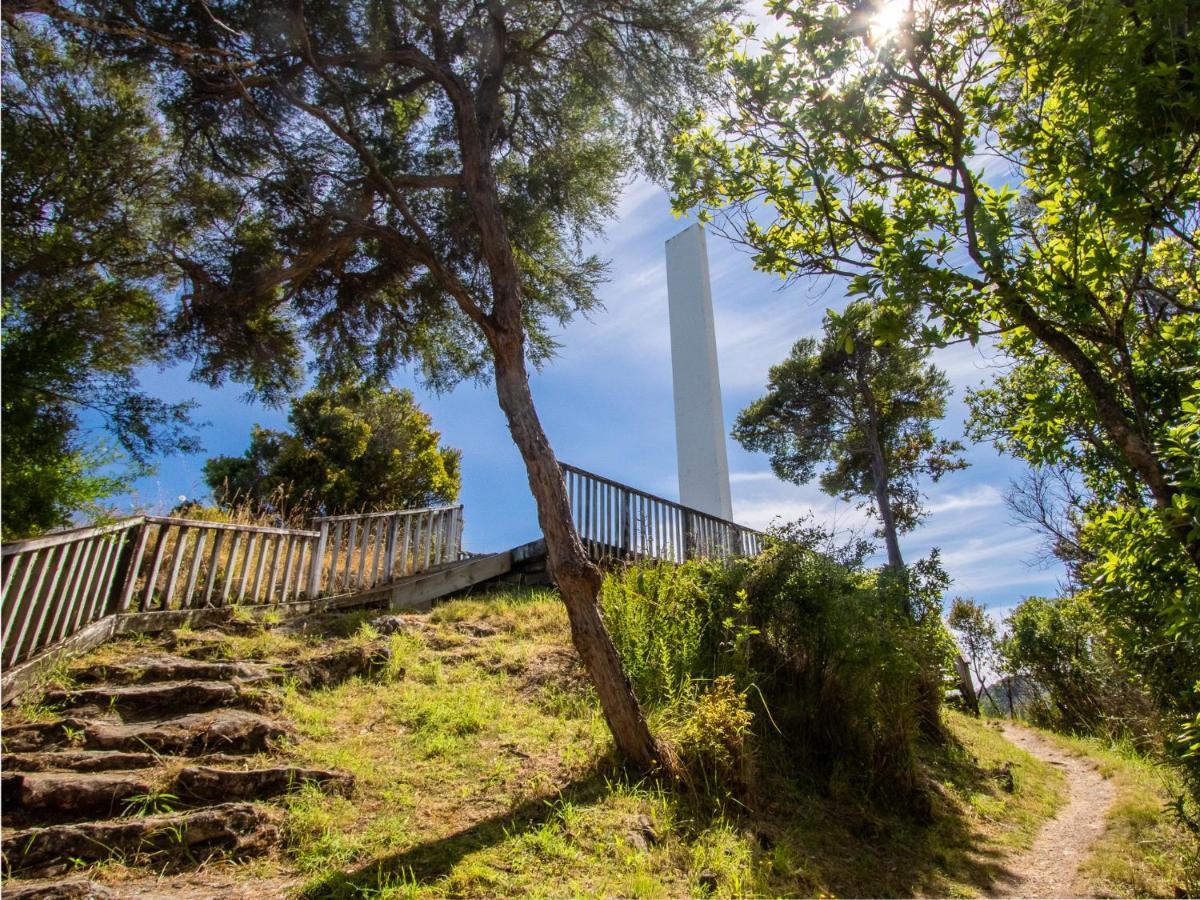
(578, 580)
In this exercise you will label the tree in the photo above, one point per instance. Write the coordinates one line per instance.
(85, 201)
(412, 182)
(351, 448)
(867, 409)
(1028, 171)
(977, 633)
(1024, 170)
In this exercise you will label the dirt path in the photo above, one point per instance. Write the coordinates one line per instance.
(1050, 868)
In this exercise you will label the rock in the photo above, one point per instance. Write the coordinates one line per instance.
(78, 761)
(644, 826)
(68, 889)
(205, 783)
(222, 731)
(476, 629)
(150, 699)
(403, 624)
(41, 735)
(170, 668)
(231, 829)
(63, 796)
(337, 666)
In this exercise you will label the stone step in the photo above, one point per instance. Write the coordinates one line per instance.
(42, 797)
(220, 731)
(141, 700)
(170, 668)
(231, 829)
(336, 666)
(78, 761)
(209, 784)
(66, 889)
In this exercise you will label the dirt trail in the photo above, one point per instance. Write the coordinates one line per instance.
(1050, 868)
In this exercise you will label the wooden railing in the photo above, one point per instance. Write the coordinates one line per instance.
(616, 521)
(361, 552)
(53, 586)
(56, 586)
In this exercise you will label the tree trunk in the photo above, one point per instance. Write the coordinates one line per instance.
(883, 498)
(578, 580)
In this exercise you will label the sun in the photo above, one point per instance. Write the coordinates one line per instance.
(887, 20)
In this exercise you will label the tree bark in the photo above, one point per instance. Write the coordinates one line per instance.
(883, 499)
(577, 579)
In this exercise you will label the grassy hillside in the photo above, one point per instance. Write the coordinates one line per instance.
(483, 768)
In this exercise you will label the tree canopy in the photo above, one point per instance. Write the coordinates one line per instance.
(351, 448)
(866, 409)
(86, 208)
(412, 183)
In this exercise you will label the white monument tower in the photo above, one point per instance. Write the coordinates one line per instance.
(699, 422)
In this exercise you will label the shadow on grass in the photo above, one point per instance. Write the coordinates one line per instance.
(849, 846)
(805, 839)
(427, 862)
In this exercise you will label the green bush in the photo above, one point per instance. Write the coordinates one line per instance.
(842, 666)
(667, 624)
(1061, 643)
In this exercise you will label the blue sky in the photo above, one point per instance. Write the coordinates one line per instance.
(606, 404)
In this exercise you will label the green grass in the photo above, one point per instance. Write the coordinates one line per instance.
(1144, 852)
(487, 770)
(484, 768)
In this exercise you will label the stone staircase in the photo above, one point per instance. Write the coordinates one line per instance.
(166, 759)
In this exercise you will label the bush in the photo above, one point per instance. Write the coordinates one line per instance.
(843, 666)
(667, 623)
(1062, 645)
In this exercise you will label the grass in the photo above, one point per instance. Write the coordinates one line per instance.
(484, 768)
(487, 770)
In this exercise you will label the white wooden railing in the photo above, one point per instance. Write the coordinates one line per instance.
(616, 521)
(57, 585)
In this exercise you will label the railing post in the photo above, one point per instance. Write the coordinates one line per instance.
(389, 558)
(626, 525)
(318, 562)
(129, 582)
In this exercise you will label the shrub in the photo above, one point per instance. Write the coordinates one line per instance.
(712, 738)
(852, 662)
(846, 663)
(1061, 644)
(667, 624)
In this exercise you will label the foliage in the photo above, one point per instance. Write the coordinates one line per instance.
(1062, 645)
(668, 624)
(865, 407)
(351, 448)
(826, 650)
(1026, 171)
(713, 738)
(882, 156)
(338, 142)
(86, 203)
(977, 636)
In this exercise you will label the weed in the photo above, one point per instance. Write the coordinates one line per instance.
(151, 803)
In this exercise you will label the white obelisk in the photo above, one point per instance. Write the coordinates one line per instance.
(699, 421)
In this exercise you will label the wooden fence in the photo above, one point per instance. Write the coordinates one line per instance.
(57, 585)
(616, 521)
